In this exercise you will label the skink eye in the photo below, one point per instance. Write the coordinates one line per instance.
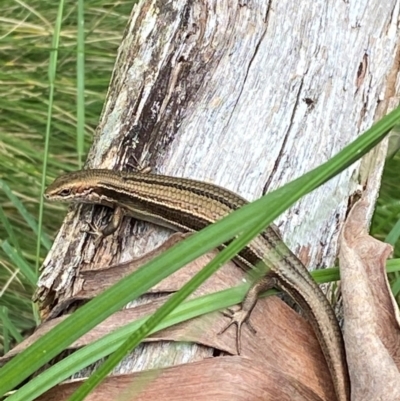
(65, 192)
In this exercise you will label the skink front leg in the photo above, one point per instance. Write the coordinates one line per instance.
(110, 228)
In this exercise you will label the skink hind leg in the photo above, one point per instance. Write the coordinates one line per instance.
(238, 318)
(242, 316)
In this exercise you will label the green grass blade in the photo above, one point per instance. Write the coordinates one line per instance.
(24, 213)
(393, 265)
(394, 234)
(10, 232)
(80, 67)
(52, 76)
(326, 275)
(6, 337)
(7, 324)
(20, 262)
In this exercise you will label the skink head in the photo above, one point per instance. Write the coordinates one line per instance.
(71, 187)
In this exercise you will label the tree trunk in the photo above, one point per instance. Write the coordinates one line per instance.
(248, 95)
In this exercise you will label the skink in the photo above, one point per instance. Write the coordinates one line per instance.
(188, 205)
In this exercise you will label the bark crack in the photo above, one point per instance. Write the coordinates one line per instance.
(256, 49)
(283, 146)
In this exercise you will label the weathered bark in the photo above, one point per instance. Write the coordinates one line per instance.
(248, 95)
